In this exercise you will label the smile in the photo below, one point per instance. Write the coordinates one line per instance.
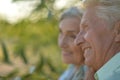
(86, 47)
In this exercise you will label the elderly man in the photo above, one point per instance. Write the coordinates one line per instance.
(99, 37)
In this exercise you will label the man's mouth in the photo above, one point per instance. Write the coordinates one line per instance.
(86, 47)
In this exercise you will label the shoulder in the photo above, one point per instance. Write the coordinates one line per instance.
(79, 75)
(114, 76)
(67, 72)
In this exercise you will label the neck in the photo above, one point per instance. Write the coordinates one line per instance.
(77, 66)
(115, 48)
(89, 74)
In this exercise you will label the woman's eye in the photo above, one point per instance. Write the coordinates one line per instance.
(60, 31)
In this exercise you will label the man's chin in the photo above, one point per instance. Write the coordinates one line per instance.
(88, 63)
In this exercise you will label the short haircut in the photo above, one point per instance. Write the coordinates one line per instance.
(106, 9)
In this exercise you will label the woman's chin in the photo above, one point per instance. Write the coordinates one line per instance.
(67, 61)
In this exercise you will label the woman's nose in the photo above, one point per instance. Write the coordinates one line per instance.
(63, 42)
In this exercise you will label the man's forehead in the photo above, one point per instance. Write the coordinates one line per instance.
(89, 15)
(90, 12)
(85, 18)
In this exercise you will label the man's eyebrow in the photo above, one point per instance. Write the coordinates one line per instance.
(70, 31)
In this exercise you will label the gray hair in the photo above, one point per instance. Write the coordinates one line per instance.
(106, 9)
(71, 12)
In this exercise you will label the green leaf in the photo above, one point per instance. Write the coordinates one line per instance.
(5, 52)
(40, 63)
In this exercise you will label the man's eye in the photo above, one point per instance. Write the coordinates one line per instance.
(73, 36)
(85, 27)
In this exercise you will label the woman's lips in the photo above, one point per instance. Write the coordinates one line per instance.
(66, 53)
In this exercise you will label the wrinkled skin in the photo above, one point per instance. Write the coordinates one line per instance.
(98, 41)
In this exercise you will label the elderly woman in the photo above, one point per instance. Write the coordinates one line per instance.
(71, 54)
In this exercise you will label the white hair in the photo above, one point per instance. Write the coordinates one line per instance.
(71, 12)
(106, 9)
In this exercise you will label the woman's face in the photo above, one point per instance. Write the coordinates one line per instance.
(69, 28)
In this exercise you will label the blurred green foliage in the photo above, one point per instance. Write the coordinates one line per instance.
(41, 39)
(6, 54)
(33, 41)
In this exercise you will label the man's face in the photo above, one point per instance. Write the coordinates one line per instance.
(95, 37)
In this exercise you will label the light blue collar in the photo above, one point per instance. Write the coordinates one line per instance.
(112, 66)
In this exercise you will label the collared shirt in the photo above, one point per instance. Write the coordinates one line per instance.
(111, 70)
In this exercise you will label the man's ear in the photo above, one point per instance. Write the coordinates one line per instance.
(117, 31)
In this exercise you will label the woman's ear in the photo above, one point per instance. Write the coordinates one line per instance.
(117, 31)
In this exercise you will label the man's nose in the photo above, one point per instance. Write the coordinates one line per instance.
(79, 39)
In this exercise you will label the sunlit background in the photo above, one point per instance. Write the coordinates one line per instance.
(28, 39)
